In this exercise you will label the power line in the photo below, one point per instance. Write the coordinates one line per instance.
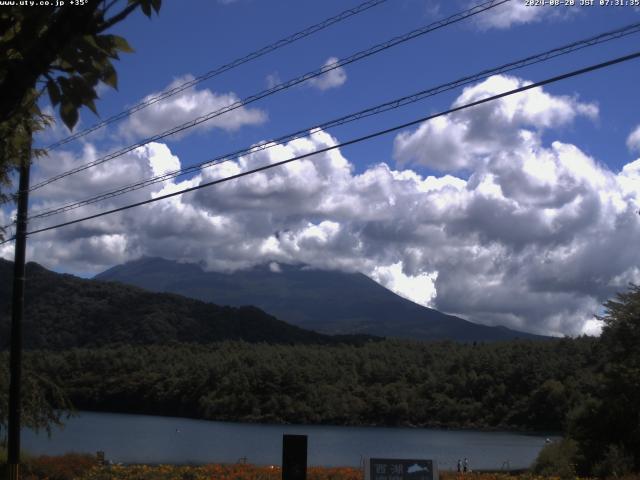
(283, 86)
(224, 68)
(397, 103)
(349, 142)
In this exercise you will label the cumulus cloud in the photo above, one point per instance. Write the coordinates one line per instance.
(103, 177)
(458, 141)
(160, 158)
(92, 246)
(511, 13)
(331, 78)
(186, 106)
(535, 238)
(517, 12)
(417, 288)
(633, 140)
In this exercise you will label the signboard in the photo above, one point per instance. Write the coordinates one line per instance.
(400, 469)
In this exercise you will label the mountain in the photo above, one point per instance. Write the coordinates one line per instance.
(325, 301)
(63, 311)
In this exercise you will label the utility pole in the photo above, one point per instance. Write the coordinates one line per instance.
(17, 311)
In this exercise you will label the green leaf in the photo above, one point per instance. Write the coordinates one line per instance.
(146, 7)
(90, 40)
(54, 92)
(39, 152)
(91, 106)
(156, 4)
(109, 76)
(69, 114)
(121, 44)
(79, 91)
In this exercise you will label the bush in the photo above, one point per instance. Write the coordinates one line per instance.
(24, 456)
(62, 467)
(557, 459)
(615, 463)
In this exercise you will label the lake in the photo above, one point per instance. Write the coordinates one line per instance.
(151, 439)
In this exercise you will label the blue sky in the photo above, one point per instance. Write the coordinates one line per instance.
(519, 213)
(196, 36)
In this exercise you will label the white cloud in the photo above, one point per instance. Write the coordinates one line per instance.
(275, 267)
(331, 78)
(186, 106)
(633, 140)
(102, 90)
(511, 13)
(104, 177)
(517, 12)
(536, 238)
(592, 327)
(159, 157)
(273, 79)
(417, 288)
(460, 140)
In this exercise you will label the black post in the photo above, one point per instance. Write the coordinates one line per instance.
(294, 457)
(17, 308)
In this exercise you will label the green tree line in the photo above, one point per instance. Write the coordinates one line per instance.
(516, 385)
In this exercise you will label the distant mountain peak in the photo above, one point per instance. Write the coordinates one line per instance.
(328, 301)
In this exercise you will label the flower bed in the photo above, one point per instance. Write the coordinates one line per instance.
(209, 472)
(83, 467)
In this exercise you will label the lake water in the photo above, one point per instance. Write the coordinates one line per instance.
(149, 439)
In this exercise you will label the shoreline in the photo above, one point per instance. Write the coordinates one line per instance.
(409, 426)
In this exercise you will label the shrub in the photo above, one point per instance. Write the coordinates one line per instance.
(3, 456)
(615, 463)
(63, 467)
(557, 459)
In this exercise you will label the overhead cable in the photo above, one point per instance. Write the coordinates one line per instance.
(282, 86)
(396, 103)
(370, 136)
(224, 68)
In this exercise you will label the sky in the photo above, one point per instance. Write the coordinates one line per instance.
(520, 212)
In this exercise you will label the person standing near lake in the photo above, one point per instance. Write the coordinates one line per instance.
(459, 466)
(465, 465)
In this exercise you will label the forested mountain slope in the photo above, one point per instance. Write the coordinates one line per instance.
(63, 311)
(325, 301)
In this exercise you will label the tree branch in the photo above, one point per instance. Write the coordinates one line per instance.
(117, 18)
(108, 6)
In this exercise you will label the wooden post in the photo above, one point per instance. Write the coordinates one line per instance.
(17, 311)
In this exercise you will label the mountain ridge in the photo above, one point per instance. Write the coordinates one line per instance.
(63, 311)
(326, 301)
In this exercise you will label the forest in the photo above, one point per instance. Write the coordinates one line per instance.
(521, 385)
